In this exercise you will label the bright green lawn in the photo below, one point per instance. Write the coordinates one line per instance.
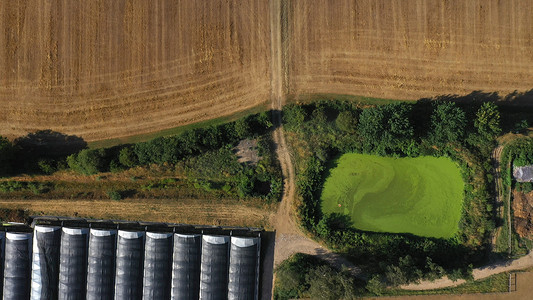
(422, 195)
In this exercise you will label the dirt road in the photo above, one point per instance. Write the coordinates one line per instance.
(289, 238)
(523, 292)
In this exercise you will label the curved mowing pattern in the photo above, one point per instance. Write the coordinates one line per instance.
(422, 196)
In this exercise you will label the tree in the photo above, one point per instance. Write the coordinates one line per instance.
(263, 119)
(242, 128)
(371, 125)
(375, 285)
(448, 123)
(386, 126)
(399, 127)
(127, 157)
(293, 115)
(326, 283)
(521, 126)
(290, 276)
(346, 121)
(6, 156)
(487, 120)
(87, 161)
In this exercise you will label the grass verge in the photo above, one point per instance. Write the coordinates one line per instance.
(362, 100)
(175, 130)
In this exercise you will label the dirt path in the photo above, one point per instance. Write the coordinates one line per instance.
(521, 263)
(289, 238)
(523, 291)
(496, 154)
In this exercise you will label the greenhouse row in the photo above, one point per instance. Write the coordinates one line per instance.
(59, 262)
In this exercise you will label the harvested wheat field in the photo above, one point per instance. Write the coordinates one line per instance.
(105, 69)
(113, 68)
(188, 211)
(408, 49)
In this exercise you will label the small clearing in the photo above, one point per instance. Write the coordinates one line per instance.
(523, 214)
(247, 152)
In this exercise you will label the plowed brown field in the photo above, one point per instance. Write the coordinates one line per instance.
(111, 68)
(409, 49)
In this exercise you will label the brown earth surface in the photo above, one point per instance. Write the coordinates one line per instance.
(522, 292)
(410, 49)
(289, 238)
(187, 211)
(113, 68)
(523, 213)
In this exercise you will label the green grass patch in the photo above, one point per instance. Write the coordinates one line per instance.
(422, 195)
(175, 130)
(497, 283)
(309, 98)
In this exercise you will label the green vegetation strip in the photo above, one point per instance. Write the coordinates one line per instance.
(175, 130)
(422, 195)
(362, 100)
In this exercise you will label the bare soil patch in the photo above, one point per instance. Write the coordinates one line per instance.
(523, 214)
(247, 152)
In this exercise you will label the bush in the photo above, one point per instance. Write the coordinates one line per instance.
(127, 157)
(293, 115)
(114, 195)
(304, 276)
(346, 121)
(242, 128)
(47, 166)
(87, 161)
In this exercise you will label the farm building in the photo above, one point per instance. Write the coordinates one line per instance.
(68, 259)
(523, 174)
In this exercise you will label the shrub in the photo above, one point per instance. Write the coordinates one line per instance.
(87, 161)
(242, 128)
(346, 121)
(293, 115)
(127, 157)
(114, 195)
(47, 166)
(304, 276)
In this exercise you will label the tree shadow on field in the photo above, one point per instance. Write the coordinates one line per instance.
(514, 107)
(48, 143)
(339, 221)
(44, 145)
